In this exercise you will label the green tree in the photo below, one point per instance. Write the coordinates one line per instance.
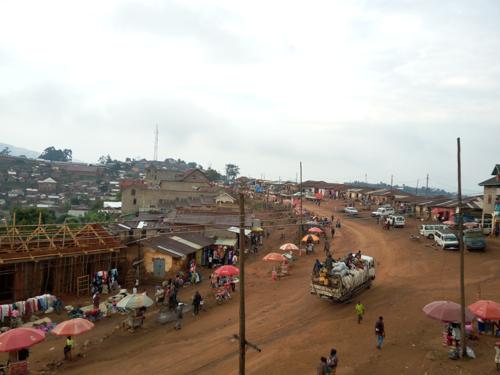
(53, 154)
(213, 175)
(5, 151)
(29, 215)
(232, 171)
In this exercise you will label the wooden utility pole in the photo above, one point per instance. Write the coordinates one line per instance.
(427, 185)
(391, 181)
(301, 213)
(416, 187)
(242, 285)
(461, 246)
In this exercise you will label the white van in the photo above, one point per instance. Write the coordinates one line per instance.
(397, 221)
(383, 211)
(428, 230)
(446, 239)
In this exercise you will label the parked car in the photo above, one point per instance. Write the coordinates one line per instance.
(397, 221)
(351, 211)
(446, 239)
(474, 239)
(428, 230)
(383, 211)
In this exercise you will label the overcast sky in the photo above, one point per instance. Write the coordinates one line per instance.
(349, 87)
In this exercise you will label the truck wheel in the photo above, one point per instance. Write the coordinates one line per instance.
(430, 236)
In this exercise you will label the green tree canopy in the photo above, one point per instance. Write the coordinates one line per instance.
(232, 171)
(5, 151)
(29, 215)
(53, 154)
(213, 175)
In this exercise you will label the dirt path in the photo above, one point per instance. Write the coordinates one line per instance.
(295, 328)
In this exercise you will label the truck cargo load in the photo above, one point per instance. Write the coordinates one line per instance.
(348, 277)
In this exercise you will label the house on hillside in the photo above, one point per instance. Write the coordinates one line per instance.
(224, 199)
(491, 199)
(49, 185)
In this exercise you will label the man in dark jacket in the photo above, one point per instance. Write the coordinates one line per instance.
(196, 303)
(380, 332)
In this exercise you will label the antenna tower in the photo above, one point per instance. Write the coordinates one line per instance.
(155, 156)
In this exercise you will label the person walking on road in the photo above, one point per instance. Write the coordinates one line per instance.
(380, 332)
(196, 303)
(327, 247)
(497, 355)
(179, 316)
(360, 311)
(332, 362)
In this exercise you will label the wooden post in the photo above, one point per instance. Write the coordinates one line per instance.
(461, 246)
(242, 285)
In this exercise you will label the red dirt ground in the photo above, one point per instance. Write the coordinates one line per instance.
(294, 328)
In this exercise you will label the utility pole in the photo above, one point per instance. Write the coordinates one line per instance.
(461, 246)
(366, 178)
(416, 187)
(427, 185)
(301, 214)
(155, 156)
(391, 181)
(242, 285)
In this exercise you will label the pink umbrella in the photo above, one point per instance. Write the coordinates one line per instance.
(275, 257)
(289, 247)
(315, 230)
(227, 271)
(72, 327)
(19, 338)
(449, 222)
(446, 311)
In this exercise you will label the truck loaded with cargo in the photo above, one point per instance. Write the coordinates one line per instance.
(340, 280)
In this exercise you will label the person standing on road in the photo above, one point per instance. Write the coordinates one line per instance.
(322, 367)
(333, 231)
(327, 247)
(497, 355)
(360, 311)
(196, 303)
(179, 315)
(380, 332)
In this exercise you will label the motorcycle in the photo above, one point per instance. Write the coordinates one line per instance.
(222, 296)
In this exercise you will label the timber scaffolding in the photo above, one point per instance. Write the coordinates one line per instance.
(50, 258)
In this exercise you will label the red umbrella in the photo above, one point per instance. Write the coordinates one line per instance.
(227, 271)
(274, 257)
(315, 230)
(446, 311)
(19, 338)
(72, 327)
(487, 310)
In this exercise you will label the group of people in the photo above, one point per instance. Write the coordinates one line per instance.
(222, 255)
(328, 365)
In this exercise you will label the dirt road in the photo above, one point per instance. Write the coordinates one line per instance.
(295, 328)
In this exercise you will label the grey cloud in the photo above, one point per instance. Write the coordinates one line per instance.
(173, 20)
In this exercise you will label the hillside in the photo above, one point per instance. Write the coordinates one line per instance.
(19, 151)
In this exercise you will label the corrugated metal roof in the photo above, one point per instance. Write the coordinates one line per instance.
(226, 241)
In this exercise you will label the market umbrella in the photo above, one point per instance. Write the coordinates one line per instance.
(72, 327)
(314, 238)
(471, 225)
(446, 311)
(485, 309)
(315, 230)
(19, 338)
(257, 229)
(288, 247)
(227, 271)
(135, 301)
(449, 222)
(274, 257)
